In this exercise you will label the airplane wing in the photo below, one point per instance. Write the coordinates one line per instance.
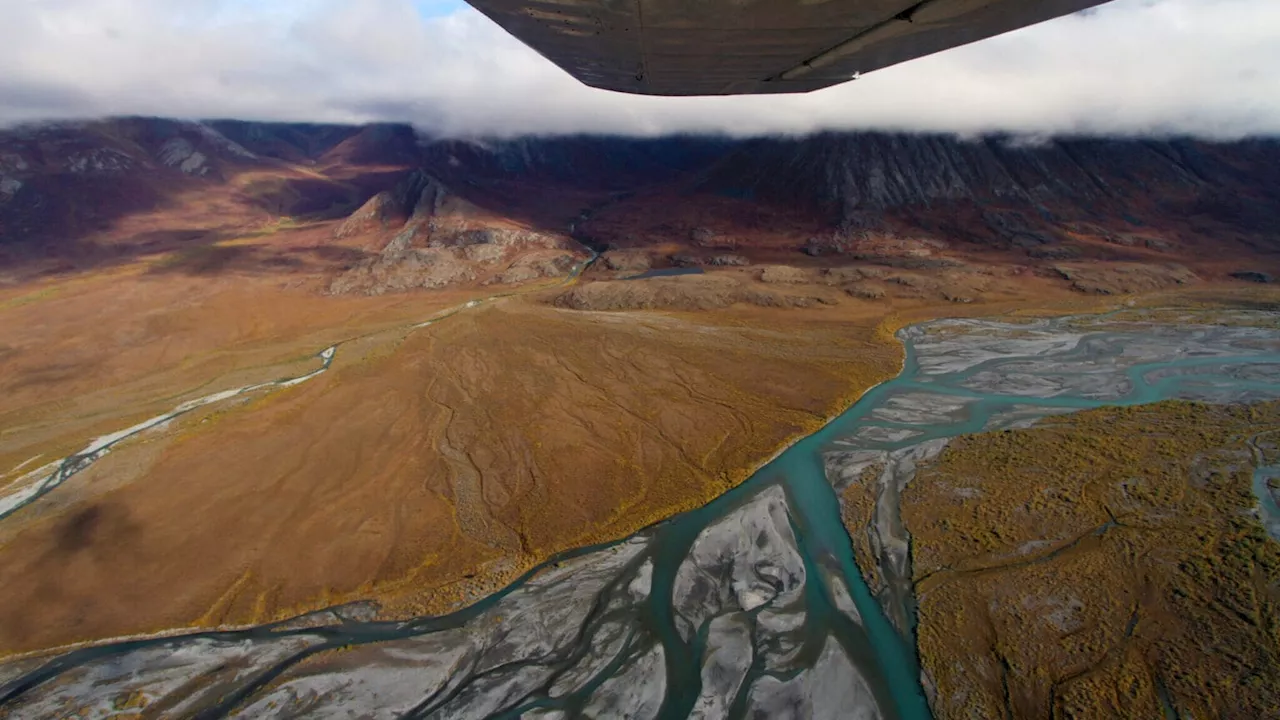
(733, 47)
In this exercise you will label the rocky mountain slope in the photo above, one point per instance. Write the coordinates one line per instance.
(381, 209)
(72, 178)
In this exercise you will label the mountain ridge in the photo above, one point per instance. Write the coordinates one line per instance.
(71, 194)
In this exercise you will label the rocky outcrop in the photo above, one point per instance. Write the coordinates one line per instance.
(536, 266)
(710, 239)
(99, 161)
(783, 274)
(443, 240)
(414, 260)
(626, 261)
(728, 260)
(180, 153)
(685, 292)
(372, 217)
(11, 166)
(400, 270)
(1124, 278)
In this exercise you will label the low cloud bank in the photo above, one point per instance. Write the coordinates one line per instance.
(1203, 67)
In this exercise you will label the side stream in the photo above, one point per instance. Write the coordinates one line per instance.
(35, 484)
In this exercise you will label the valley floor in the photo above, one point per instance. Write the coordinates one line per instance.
(1144, 579)
(427, 467)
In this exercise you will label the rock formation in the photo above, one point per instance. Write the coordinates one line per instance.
(442, 240)
(418, 212)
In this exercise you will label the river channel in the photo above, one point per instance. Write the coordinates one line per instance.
(751, 606)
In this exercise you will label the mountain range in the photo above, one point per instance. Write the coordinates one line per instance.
(382, 208)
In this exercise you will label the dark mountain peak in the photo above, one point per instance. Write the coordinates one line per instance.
(292, 142)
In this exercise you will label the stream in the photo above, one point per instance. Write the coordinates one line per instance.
(1264, 475)
(34, 484)
(37, 483)
(750, 606)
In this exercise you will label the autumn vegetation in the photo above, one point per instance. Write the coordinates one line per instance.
(1102, 564)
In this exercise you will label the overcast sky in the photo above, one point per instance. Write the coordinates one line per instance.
(1209, 67)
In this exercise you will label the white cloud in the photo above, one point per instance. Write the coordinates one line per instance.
(1196, 66)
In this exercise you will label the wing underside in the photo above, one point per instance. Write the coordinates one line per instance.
(729, 47)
